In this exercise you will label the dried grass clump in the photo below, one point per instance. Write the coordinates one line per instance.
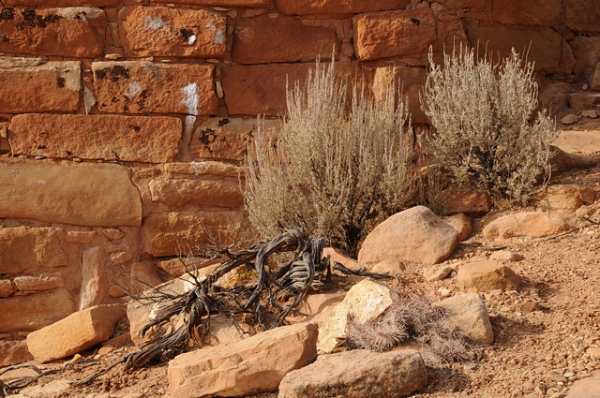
(484, 130)
(336, 167)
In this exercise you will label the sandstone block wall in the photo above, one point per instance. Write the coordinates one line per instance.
(123, 123)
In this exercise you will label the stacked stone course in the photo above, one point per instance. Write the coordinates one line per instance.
(123, 123)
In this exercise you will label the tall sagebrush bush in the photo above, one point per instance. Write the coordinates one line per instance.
(335, 167)
(484, 131)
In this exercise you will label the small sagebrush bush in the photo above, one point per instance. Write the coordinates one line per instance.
(335, 167)
(484, 130)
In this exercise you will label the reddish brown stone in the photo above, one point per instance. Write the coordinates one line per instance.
(4, 147)
(162, 31)
(545, 45)
(202, 191)
(34, 85)
(583, 15)
(394, 33)
(28, 248)
(259, 42)
(222, 3)
(14, 352)
(531, 12)
(6, 288)
(60, 3)
(466, 5)
(145, 87)
(595, 78)
(337, 6)
(38, 283)
(127, 138)
(32, 312)
(72, 32)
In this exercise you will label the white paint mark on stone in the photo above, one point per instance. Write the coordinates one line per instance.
(190, 98)
(89, 100)
(220, 37)
(40, 182)
(133, 89)
(189, 123)
(192, 39)
(153, 23)
(197, 165)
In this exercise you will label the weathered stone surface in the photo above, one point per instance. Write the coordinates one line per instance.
(315, 308)
(337, 256)
(467, 5)
(357, 374)
(250, 366)
(337, 6)
(113, 233)
(240, 85)
(180, 265)
(533, 12)
(28, 248)
(77, 332)
(468, 313)
(162, 31)
(394, 33)
(582, 15)
(70, 193)
(527, 224)
(71, 31)
(31, 312)
(583, 100)
(143, 275)
(485, 276)
(416, 234)
(595, 78)
(6, 288)
(4, 147)
(202, 168)
(200, 191)
(460, 222)
(586, 388)
(562, 160)
(436, 273)
(365, 300)
(35, 85)
(13, 352)
(38, 283)
(60, 3)
(456, 200)
(506, 255)
(221, 3)
(53, 388)
(565, 198)
(146, 87)
(80, 236)
(266, 41)
(569, 119)
(545, 45)
(126, 138)
(94, 282)
(169, 232)
(587, 54)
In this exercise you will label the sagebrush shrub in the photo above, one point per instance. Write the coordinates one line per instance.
(484, 130)
(337, 165)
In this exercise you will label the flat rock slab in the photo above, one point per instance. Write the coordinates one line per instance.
(533, 223)
(586, 388)
(578, 141)
(77, 332)
(469, 314)
(250, 366)
(358, 374)
(485, 276)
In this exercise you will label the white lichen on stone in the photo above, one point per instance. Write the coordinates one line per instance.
(89, 100)
(133, 89)
(153, 23)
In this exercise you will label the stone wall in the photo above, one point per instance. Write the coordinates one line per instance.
(123, 123)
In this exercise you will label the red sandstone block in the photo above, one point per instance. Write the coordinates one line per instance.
(258, 42)
(337, 6)
(531, 12)
(60, 3)
(162, 31)
(146, 87)
(72, 32)
(33, 85)
(583, 15)
(220, 3)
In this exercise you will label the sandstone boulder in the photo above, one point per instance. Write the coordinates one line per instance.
(250, 366)
(460, 222)
(456, 200)
(469, 314)
(565, 198)
(142, 277)
(528, 224)
(77, 332)
(358, 374)
(436, 273)
(416, 234)
(485, 276)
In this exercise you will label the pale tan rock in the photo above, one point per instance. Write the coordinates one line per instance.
(119, 258)
(394, 34)
(110, 137)
(38, 283)
(70, 193)
(390, 266)
(112, 233)
(315, 308)
(169, 233)
(94, 280)
(147, 87)
(585, 388)
(528, 224)
(416, 234)
(436, 273)
(578, 142)
(589, 113)
(221, 3)
(162, 31)
(593, 352)
(75, 333)
(207, 167)
(468, 5)
(14, 352)
(70, 31)
(143, 276)
(53, 388)
(467, 311)
(336, 256)
(365, 300)
(337, 7)
(85, 237)
(565, 198)
(505, 255)
(35, 85)
(223, 332)
(357, 374)
(66, 3)
(535, 12)
(200, 191)
(456, 200)
(460, 222)
(117, 291)
(582, 15)
(243, 368)
(266, 41)
(23, 248)
(485, 276)
(6, 288)
(569, 119)
(31, 312)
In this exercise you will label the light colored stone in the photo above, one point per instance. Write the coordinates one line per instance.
(70, 31)
(390, 266)
(528, 224)
(6, 288)
(250, 366)
(337, 7)
(206, 167)
(70, 193)
(147, 87)
(35, 85)
(31, 312)
(162, 31)
(394, 34)
(143, 276)
(84, 237)
(365, 300)
(75, 333)
(586, 388)
(436, 273)
(593, 352)
(565, 198)
(505, 255)
(468, 313)
(51, 389)
(223, 332)
(416, 234)
(315, 308)
(119, 258)
(110, 137)
(456, 200)
(113, 233)
(336, 256)
(38, 283)
(27, 248)
(358, 374)
(460, 222)
(13, 352)
(569, 119)
(586, 142)
(169, 233)
(94, 281)
(200, 191)
(485, 276)
(589, 113)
